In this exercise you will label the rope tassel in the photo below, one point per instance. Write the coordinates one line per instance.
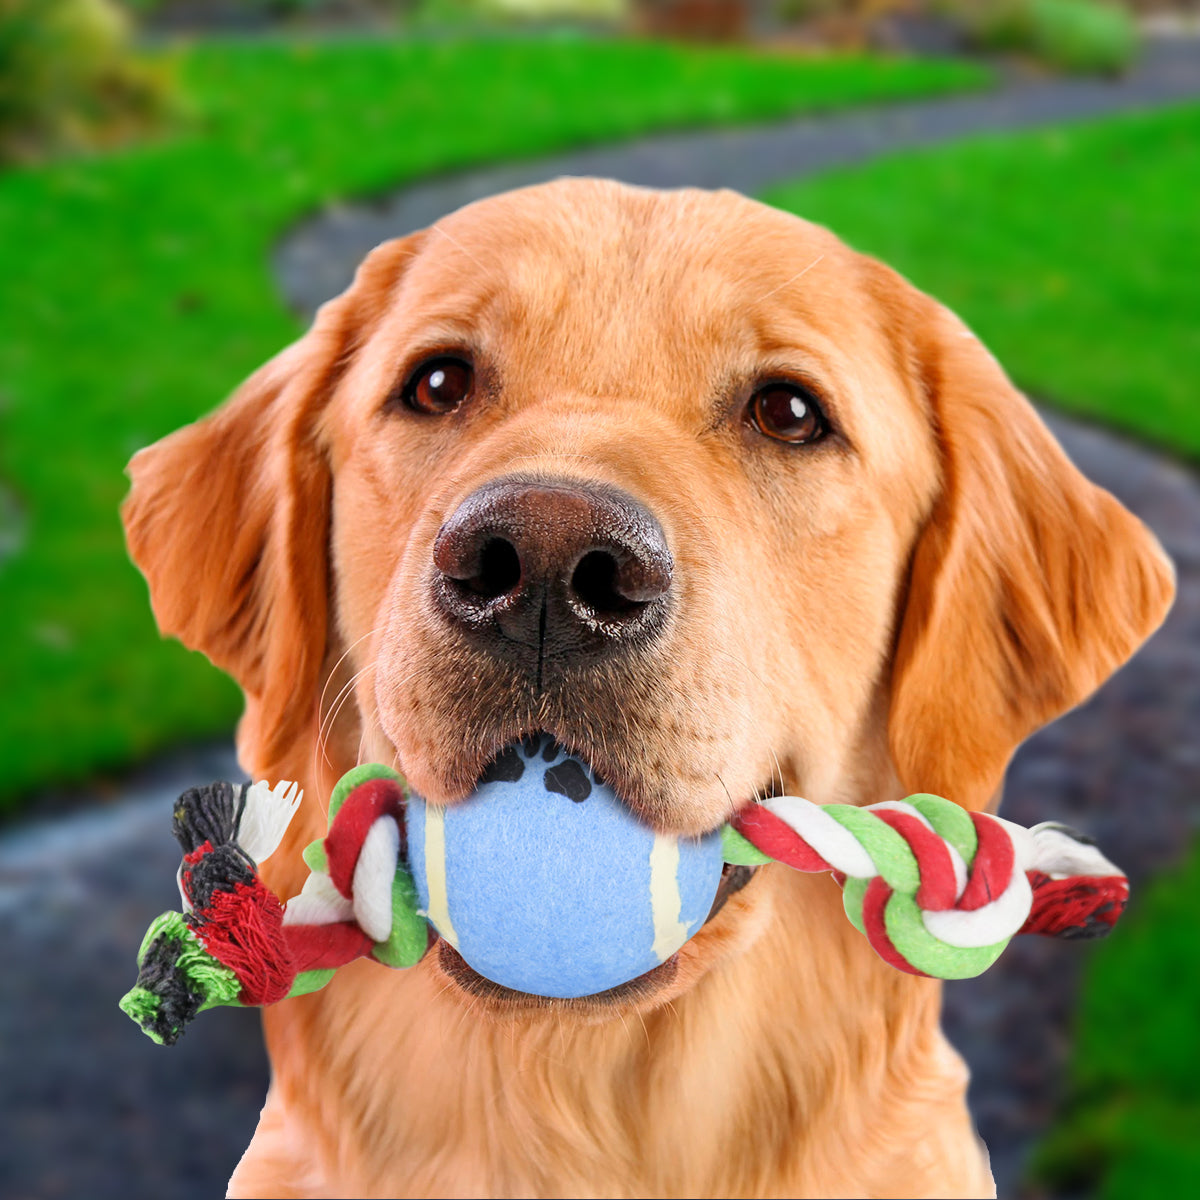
(939, 891)
(235, 943)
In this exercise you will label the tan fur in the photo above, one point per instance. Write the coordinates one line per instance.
(888, 611)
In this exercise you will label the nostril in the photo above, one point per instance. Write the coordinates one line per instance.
(568, 570)
(499, 570)
(596, 581)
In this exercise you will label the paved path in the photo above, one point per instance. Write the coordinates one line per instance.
(90, 1107)
(318, 258)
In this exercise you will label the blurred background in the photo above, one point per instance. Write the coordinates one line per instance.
(181, 181)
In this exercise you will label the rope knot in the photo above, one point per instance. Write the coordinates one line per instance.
(939, 891)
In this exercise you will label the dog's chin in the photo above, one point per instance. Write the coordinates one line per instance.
(655, 987)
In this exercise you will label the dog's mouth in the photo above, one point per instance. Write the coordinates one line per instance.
(733, 879)
(472, 753)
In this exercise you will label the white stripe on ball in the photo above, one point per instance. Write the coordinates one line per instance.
(435, 873)
(665, 901)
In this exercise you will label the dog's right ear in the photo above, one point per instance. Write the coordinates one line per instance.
(228, 519)
(1028, 587)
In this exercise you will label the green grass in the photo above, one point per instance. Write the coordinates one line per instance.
(1074, 253)
(137, 293)
(1132, 1124)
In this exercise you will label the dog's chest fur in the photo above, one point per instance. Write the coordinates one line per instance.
(723, 1092)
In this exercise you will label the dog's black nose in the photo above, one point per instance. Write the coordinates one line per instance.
(552, 568)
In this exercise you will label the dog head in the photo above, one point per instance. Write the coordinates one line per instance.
(724, 506)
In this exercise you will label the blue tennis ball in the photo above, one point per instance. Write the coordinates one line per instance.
(545, 882)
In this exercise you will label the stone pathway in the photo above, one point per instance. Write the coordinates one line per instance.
(318, 258)
(92, 1108)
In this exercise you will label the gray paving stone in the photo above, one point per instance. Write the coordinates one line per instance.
(91, 1106)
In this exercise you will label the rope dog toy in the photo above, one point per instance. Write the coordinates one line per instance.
(573, 899)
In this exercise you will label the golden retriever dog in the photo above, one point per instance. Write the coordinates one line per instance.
(729, 510)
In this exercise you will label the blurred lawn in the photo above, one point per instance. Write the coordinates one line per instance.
(1074, 253)
(137, 294)
(1131, 1130)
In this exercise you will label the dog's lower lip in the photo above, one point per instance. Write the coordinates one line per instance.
(467, 978)
(733, 879)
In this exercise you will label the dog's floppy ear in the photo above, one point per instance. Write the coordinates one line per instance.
(1028, 586)
(228, 519)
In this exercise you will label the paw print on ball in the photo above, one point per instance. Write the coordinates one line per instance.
(570, 779)
(561, 774)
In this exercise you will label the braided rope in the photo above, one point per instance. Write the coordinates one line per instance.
(939, 891)
(358, 878)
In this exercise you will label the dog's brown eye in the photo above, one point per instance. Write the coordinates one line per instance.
(788, 413)
(439, 386)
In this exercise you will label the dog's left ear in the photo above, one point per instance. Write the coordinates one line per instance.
(228, 519)
(1028, 586)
